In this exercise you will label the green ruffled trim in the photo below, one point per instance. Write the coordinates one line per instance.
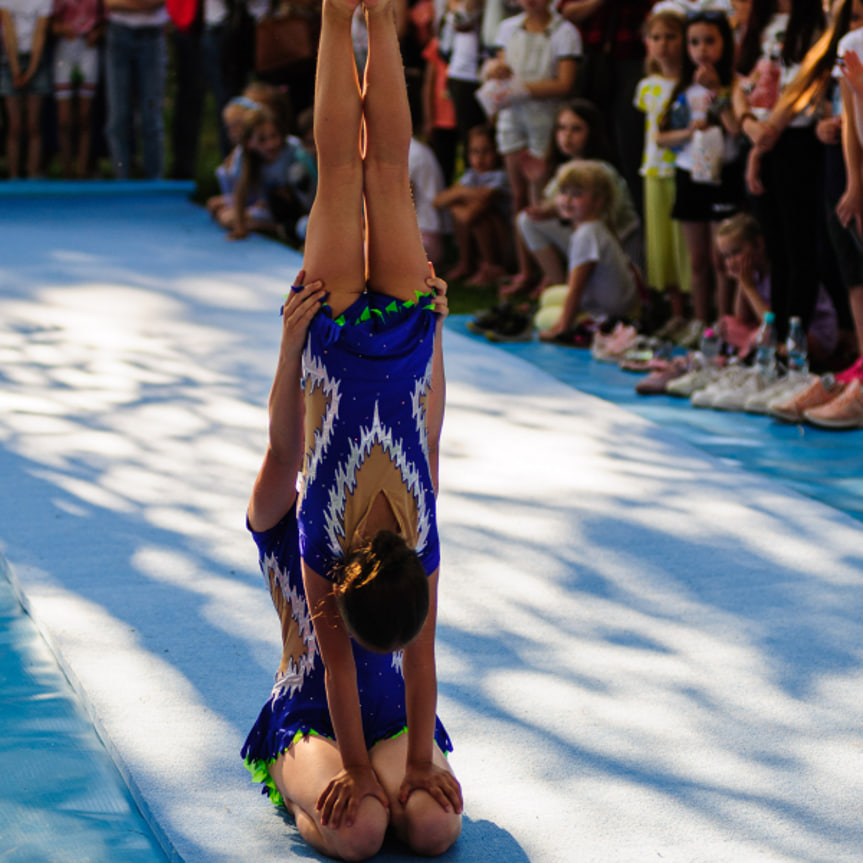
(393, 308)
(260, 767)
(261, 774)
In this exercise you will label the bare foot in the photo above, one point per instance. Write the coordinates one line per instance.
(486, 275)
(518, 284)
(460, 271)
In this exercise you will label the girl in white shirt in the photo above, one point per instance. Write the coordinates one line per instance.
(25, 78)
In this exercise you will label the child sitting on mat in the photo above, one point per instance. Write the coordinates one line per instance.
(479, 204)
(601, 283)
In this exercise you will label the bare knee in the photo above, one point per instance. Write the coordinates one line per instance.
(428, 829)
(364, 838)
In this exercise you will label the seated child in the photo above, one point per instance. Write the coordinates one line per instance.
(479, 204)
(276, 186)
(601, 283)
(234, 117)
(740, 245)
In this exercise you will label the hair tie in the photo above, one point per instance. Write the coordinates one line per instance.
(245, 102)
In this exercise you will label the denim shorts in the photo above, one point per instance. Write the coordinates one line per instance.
(39, 85)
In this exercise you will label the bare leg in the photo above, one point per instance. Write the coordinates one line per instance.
(34, 135)
(724, 285)
(697, 236)
(85, 104)
(552, 265)
(517, 183)
(301, 774)
(421, 823)
(489, 250)
(334, 240)
(13, 136)
(464, 244)
(396, 258)
(855, 298)
(64, 134)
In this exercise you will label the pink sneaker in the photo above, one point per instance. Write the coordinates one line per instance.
(820, 392)
(612, 349)
(843, 412)
(854, 372)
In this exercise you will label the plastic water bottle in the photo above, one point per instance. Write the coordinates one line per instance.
(709, 346)
(798, 358)
(765, 347)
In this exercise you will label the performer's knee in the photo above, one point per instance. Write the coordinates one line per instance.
(365, 837)
(430, 830)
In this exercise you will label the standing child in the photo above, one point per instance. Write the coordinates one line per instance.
(77, 26)
(25, 78)
(815, 91)
(665, 247)
(462, 48)
(537, 55)
(699, 102)
(600, 283)
(785, 199)
(440, 129)
(479, 206)
(841, 406)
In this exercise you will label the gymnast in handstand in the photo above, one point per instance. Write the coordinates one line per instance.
(349, 740)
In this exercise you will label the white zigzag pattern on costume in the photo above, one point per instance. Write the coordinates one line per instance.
(293, 678)
(398, 661)
(315, 374)
(345, 481)
(420, 389)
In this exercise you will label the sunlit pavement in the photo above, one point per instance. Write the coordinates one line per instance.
(645, 652)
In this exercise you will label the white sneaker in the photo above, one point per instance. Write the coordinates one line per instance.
(690, 335)
(734, 398)
(697, 379)
(779, 390)
(727, 380)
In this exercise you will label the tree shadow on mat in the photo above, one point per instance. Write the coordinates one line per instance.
(479, 841)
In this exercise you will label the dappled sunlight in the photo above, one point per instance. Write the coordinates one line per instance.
(653, 604)
(643, 651)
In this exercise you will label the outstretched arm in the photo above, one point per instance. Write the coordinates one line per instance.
(275, 488)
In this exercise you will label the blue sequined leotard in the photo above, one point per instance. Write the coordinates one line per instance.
(366, 379)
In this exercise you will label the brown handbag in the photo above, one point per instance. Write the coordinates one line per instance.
(285, 36)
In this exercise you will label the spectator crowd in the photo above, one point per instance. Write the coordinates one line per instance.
(689, 167)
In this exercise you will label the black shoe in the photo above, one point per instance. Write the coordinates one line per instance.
(490, 319)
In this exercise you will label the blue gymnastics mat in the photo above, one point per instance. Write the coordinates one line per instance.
(61, 797)
(644, 650)
(824, 465)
